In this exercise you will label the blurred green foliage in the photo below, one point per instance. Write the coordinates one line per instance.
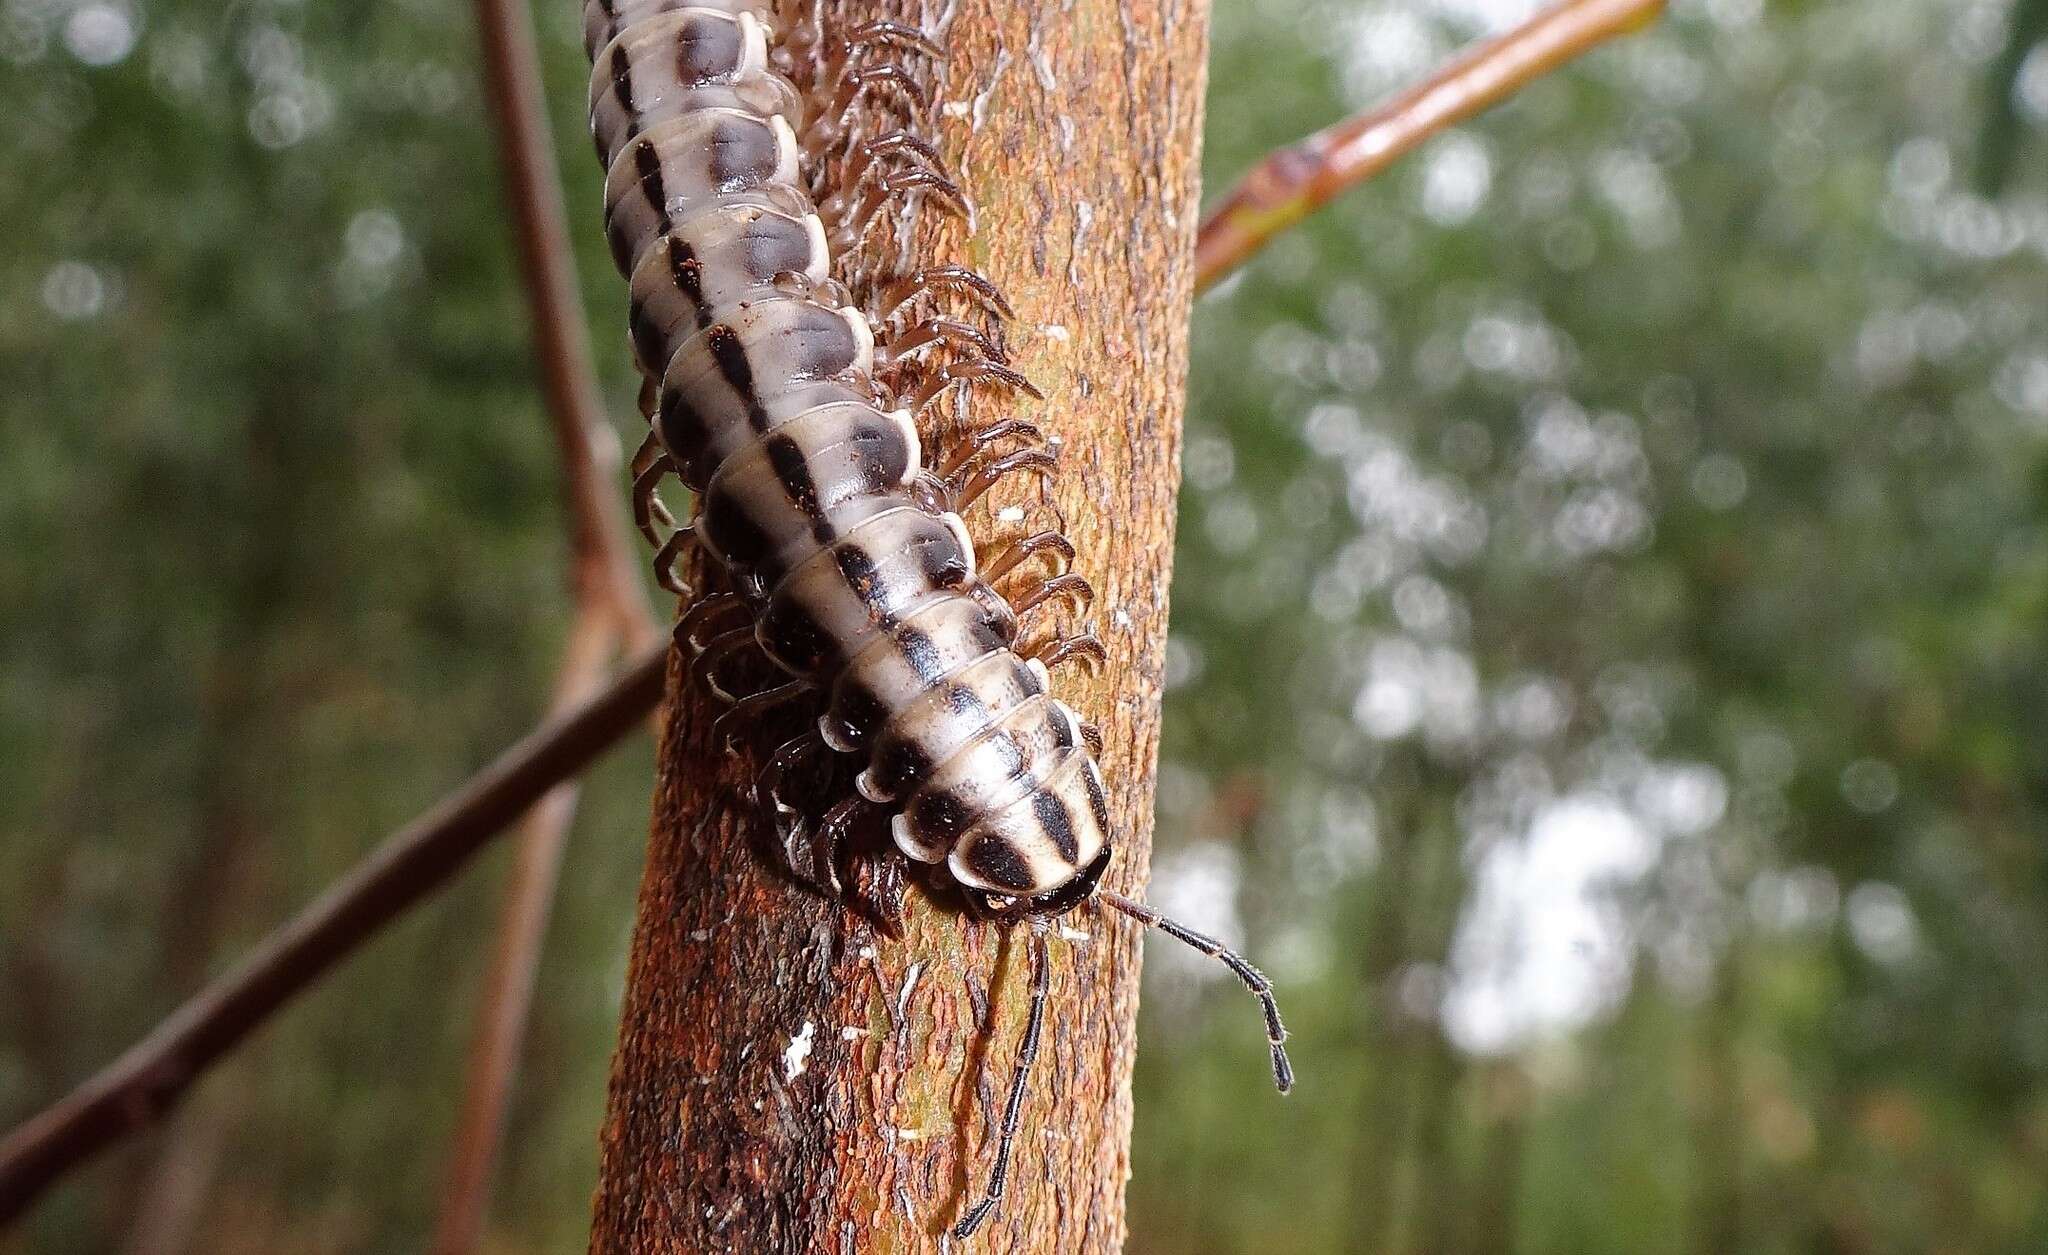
(1608, 669)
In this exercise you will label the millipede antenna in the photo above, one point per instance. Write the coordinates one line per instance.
(1027, 1054)
(1253, 978)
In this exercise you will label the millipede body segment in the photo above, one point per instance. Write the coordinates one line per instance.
(852, 592)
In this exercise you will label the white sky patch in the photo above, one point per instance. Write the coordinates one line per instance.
(101, 34)
(796, 1057)
(2030, 90)
(1198, 882)
(1881, 922)
(1411, 687)
(1456, 177)
(1540, 950)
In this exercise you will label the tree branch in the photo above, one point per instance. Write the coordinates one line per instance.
(611, 600)
(605, 569)
(1295, 181)
(143, 1085)
(787, 1080)
(138, 1088)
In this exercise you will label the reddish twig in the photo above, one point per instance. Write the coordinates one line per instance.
(138, 1088)
(1295, 181)
(605, 569)
(610, 597)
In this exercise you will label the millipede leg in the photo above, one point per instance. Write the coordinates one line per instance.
(866, 156)
(791, 828)
(768, 781)
(976, 442)
(802, 39)
(1027, 1054)
(1006, 559)
(831, 78)
(967, 484)
(704, 668)
(650, 514)
(702, 615)
(949, 332)
(834, 130)
(849, 199)
(879, 891)
(730, 726)
(1077, 591)
(898, 35)
(669, 556)
(955, 279)
(899, 82)
(1086, 646)
(848, 226)
(970, 373)
(829, 843)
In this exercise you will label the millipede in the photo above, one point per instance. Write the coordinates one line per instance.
(845, 619)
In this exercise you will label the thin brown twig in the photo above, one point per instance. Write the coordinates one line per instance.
(138, 1088)
(605, 569)
(611, 602)
(1295, 181)
(141, 1086)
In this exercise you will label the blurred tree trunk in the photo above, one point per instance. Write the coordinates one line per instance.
(242, 709)
(1379, 1152)
(787, 1079)
(1492, 1219)
(1439, 1198)
(1717, 1225)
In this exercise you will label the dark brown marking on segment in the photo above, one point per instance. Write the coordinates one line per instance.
(688, 274)
(708, 49)
(742, 152)
(775, 243)
(901, 763)
(857, 566)
(731, 356)
(1097, 802)
(961, 699)
(794, 638)
(793, 472)
(648, 338)
(683, 432)
(733, 532)
(945, 560)
(823, 344)
(997, 862)
(647, 169)
(919, 650)
(880, 453)
(937, 818)
(622, 87)
(622, 77)
(1052, 816)
(855, 711)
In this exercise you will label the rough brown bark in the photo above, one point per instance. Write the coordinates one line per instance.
(1075, 129)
